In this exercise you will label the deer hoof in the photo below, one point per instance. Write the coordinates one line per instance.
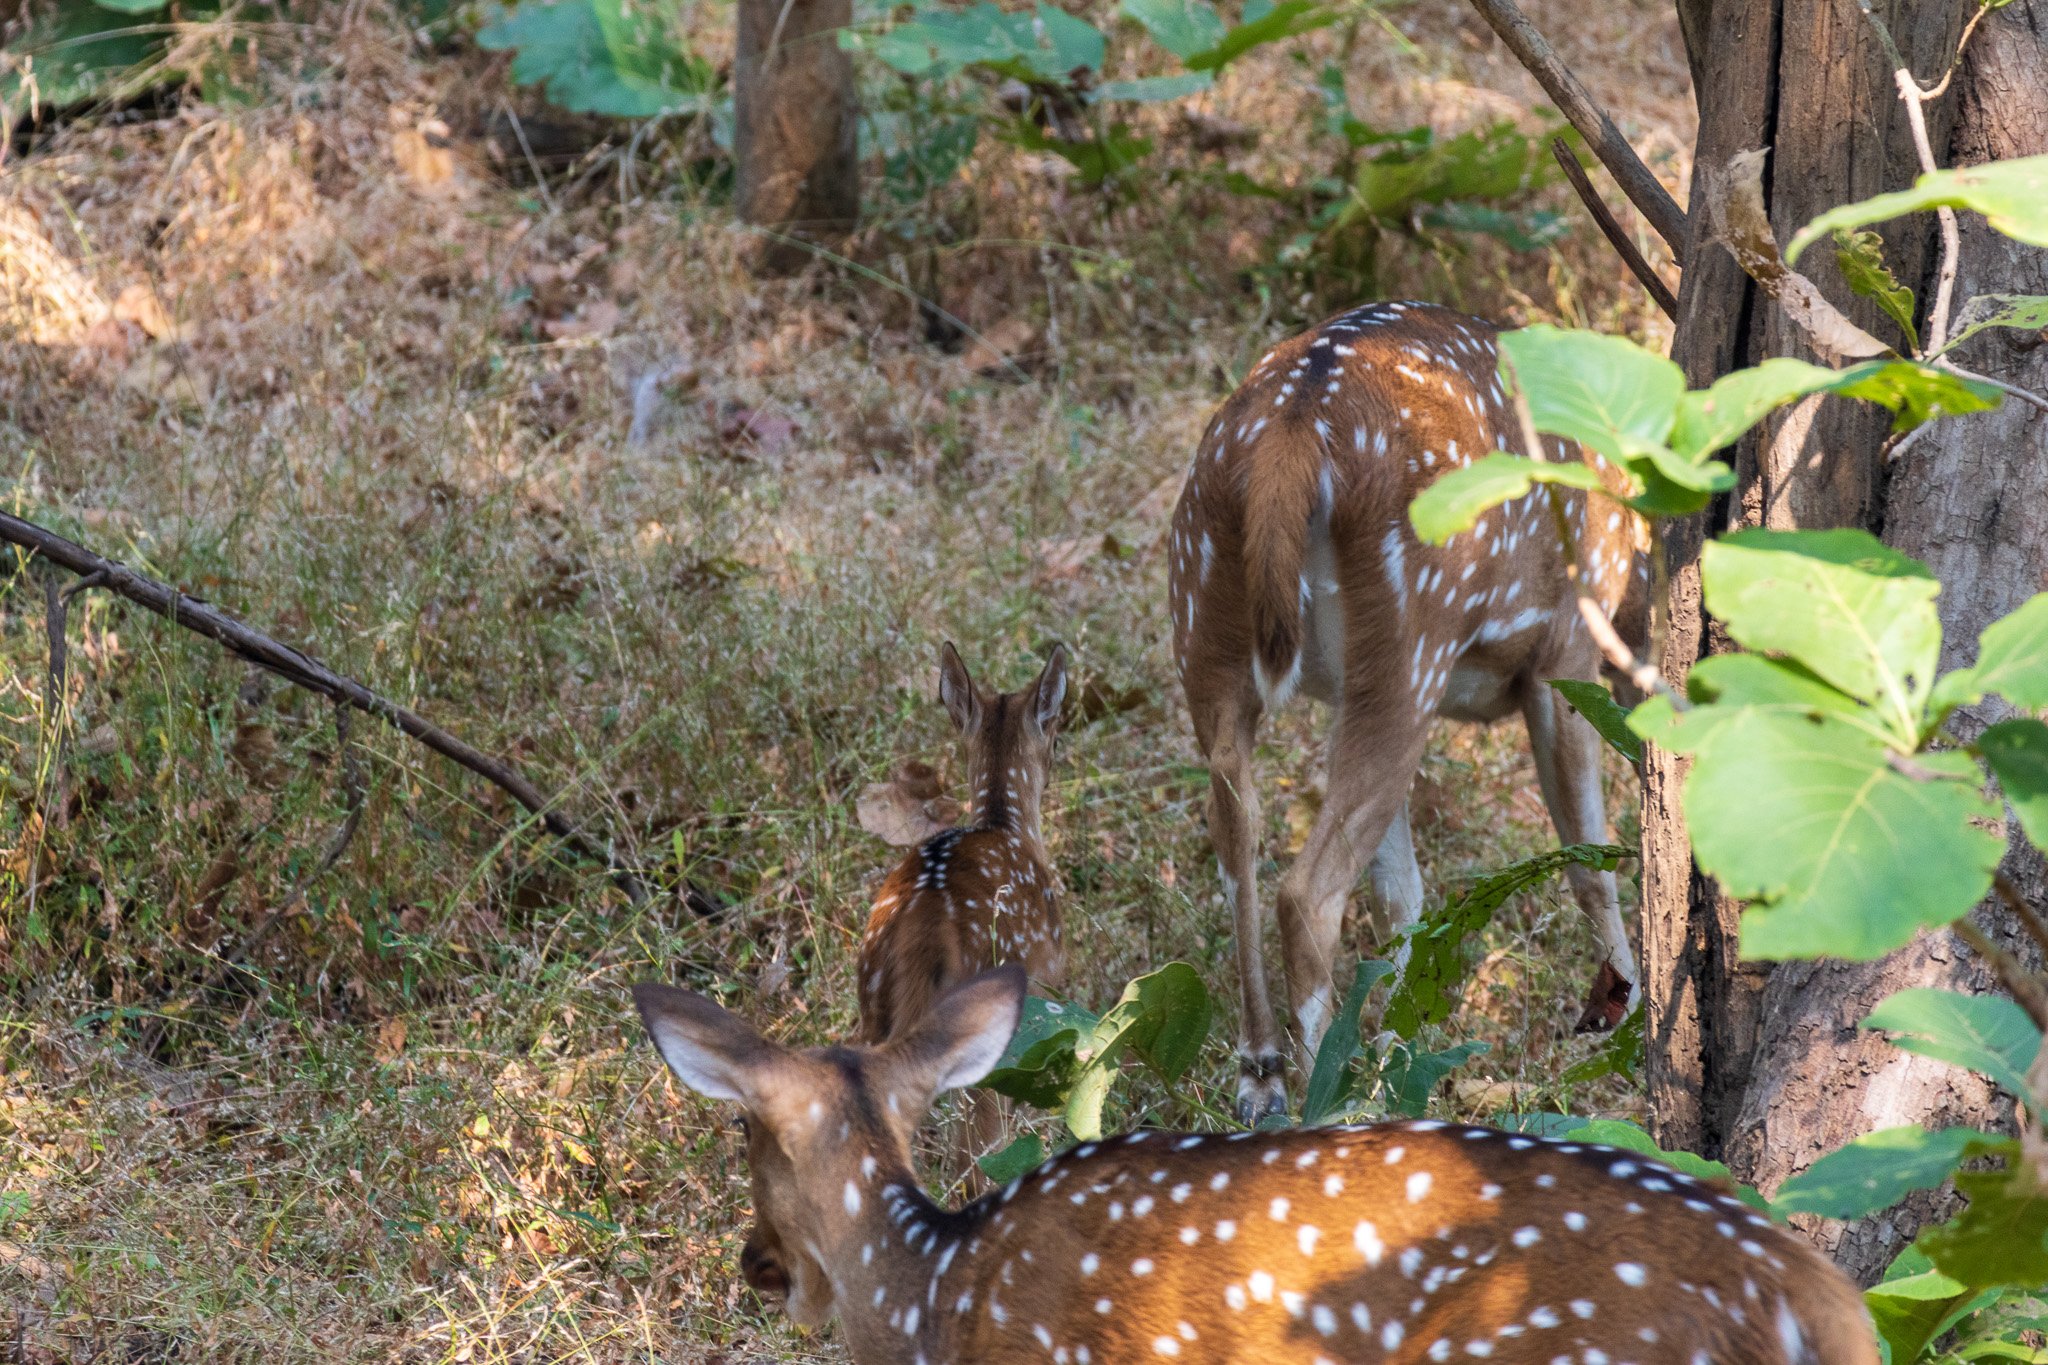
(1261, 1087)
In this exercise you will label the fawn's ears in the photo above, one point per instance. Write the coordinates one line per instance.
(956, 690)
(1049, 693)
(711, 1051)
(963, 1036)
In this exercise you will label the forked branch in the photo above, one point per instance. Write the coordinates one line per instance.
(296, 667)
(1537, 57)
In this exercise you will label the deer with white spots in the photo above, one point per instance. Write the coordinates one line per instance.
(1294, 569)
(983, 894)
(1393, 1243)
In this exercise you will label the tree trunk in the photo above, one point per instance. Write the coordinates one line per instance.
(794, 123)
(1765, 1068)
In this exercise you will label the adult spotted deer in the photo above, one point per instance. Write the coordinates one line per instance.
(1294, 570)
(1403, 1242)
(984, 894)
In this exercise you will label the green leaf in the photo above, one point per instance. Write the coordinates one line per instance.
(2026, 312)
(1424, 993)
(1860, 255)
(1114, 152)
(1986, 1033)
(1842, 854)
(1594, 702)
(1410, 1075)
(1182, 27)
(1281, 21)
(1162, 1019)
(1843, 604)
(1530, 230)
(1155, 89)
(1913, 392)
(132, 6)
(2012, 194)
(1606, 393)
(1459, 498)
(1077, 45)
(2002, 1237)
(1915, 1303)
(1045, 46)
(2012, 661)
(1627, 1136)
(1716, 416)
(1038, 1066)
(1620, 1055)
(600, 57)
(1876, 1171)
(1024, 1155)
(2017, 751)
(1328, 1082)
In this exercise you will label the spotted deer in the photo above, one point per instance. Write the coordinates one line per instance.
(1294, 569)
(983, 894)
(1394, 1243)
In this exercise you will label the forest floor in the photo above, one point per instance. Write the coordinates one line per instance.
(548, 466)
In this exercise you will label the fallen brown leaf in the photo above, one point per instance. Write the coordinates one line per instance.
(907, 809)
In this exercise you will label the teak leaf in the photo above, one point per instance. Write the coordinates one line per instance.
(1459, 498)
(2012, 194)
(1594, 702)
(1606, 393)
(2012, 662)
(2017, 751)
(1986, 1033)
(1876, 1171)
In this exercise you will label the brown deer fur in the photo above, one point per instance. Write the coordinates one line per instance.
(1294, 568)
(1388, 1244)
(984, 894)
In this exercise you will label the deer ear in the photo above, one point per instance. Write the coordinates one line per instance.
(956, 690)
(963, 1037)
(1050, 693)
(711, 1051)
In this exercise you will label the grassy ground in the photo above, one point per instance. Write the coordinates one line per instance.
(368, 394)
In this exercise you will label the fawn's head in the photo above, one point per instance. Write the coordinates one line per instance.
(1009, 735)
(826, 1125)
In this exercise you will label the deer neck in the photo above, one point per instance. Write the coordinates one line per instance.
(897, 1269)
(999, 805)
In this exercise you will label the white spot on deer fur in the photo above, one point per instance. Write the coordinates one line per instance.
(1208, 555)
(1527, 1237)
(1543, 1317)
(1306, 1238)
(1582, 1308)
(1390, 1336)
(1225, 1230)
(1090, 1263)
(1261, 1284)
(1141, 1266)
(1576, 1221)
(1489, 1191)
(1631, 1274)
(852, 1198)
(1219, 1180)
(1418, 1186)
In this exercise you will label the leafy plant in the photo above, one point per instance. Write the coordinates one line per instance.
(602, 57)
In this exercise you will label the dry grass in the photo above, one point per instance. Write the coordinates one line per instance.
(355, 387)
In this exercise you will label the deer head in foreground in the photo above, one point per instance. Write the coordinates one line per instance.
(980, 895)
(1293, 569)
(1404, 1242)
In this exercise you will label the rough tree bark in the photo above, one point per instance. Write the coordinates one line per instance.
(1765, 1068)
(794, 122)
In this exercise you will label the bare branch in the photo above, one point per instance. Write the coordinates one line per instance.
(1537, 57)
(1609, 228)
(296, 667)
(1735, 203)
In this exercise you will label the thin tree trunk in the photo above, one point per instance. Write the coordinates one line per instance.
(1766, 1068)
(794, 124)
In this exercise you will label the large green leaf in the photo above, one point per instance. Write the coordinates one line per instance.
(2017, 751)
(1841, 854)
(1046, 45)
(1027, 1153)
(2027, 312)
(1621, 1133)
(1161, 1019)
(1604, 392)
(2012, 194)
(1426, 988)
(1716, 416)
(1262, 25)
(1986, 1033)
(1409, 1074)
(1038, 1066)
(1860, 256)
(1155, 89)
(1328, 1081)
(1843, 604)
(1876, 1171)
(2012, 661)
(600, 57)
(1915, 393)
(1459, 498)
(1594, 702)
(1097, 159)
(1916, 1303)
(1183, 27)
(2002, 1237)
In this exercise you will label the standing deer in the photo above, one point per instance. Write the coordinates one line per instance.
(1294, 569)
(978, 896)
(1393, 1243)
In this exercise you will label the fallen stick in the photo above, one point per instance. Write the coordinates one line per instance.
(1611, 229)
(296, 667)
(1540, 60)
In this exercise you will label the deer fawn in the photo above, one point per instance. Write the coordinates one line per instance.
(1294, 569)
(1400, 1242)
(974, 897)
